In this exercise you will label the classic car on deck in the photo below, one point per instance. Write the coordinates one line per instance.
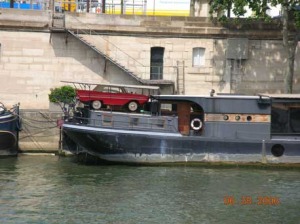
(100, 96)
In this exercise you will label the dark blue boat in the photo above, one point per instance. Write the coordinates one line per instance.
(9, 130)
(213, 128)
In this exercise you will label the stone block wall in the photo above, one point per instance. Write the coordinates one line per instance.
(31, 63)
(262, 72)
(40, 132)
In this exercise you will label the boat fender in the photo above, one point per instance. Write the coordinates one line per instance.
(196, 124)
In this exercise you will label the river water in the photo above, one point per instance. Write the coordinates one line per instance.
(51, 189)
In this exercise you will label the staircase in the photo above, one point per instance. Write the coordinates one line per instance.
(98, 44)
(109, 51)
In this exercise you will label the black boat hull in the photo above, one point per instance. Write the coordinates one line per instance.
(154, 147)
(9, 128)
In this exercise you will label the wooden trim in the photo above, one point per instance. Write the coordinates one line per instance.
(265, 118)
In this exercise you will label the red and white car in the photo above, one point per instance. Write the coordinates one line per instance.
(114, 95)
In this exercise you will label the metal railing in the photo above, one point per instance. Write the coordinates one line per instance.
(26, 5)
(132, 7)
(118, 56)
(142, 73)
(111, 51)
(157, 124)
(128, 7)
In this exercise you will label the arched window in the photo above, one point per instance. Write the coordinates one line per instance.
(198, 56)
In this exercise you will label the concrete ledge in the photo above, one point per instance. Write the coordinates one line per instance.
(198, 27)
(169, 26)
(12, 18)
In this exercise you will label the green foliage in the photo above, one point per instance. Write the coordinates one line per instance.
(290, 19)
(64, 94)
(297, 18)
(258, 7)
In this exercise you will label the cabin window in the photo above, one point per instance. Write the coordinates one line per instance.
(285, 119)
(198, 57)
(157, 63)
(168, 109)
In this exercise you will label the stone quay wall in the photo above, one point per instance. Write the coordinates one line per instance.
(40, 132)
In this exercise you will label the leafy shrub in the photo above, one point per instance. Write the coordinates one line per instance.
(63, 96)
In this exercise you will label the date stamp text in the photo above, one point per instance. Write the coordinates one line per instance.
(249, 200)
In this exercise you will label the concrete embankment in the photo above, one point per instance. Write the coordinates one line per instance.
(40, 133)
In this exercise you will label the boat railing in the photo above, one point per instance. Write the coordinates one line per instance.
(162, 124)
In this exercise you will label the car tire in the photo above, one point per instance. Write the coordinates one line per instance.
(96, 104)
(133, 106)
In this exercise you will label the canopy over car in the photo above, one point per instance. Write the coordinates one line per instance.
(90, 85)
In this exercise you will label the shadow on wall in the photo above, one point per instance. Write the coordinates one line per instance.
(261, 71)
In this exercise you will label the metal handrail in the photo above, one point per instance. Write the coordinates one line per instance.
(117, 52)
(83, 121)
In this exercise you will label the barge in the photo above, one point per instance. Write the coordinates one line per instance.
(191, 129)
(9, 130)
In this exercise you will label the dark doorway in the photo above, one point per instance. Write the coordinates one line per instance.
(157, 63)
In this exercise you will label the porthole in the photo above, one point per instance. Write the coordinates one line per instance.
(249, 118)
(277, 150)
(237, 117)
(225, 117)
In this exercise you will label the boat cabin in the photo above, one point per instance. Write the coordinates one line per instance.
(234, 116)
(220, 116)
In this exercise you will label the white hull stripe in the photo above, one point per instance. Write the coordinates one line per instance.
(6, 116)
(121, 131)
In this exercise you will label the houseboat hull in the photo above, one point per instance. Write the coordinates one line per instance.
(153, 147)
